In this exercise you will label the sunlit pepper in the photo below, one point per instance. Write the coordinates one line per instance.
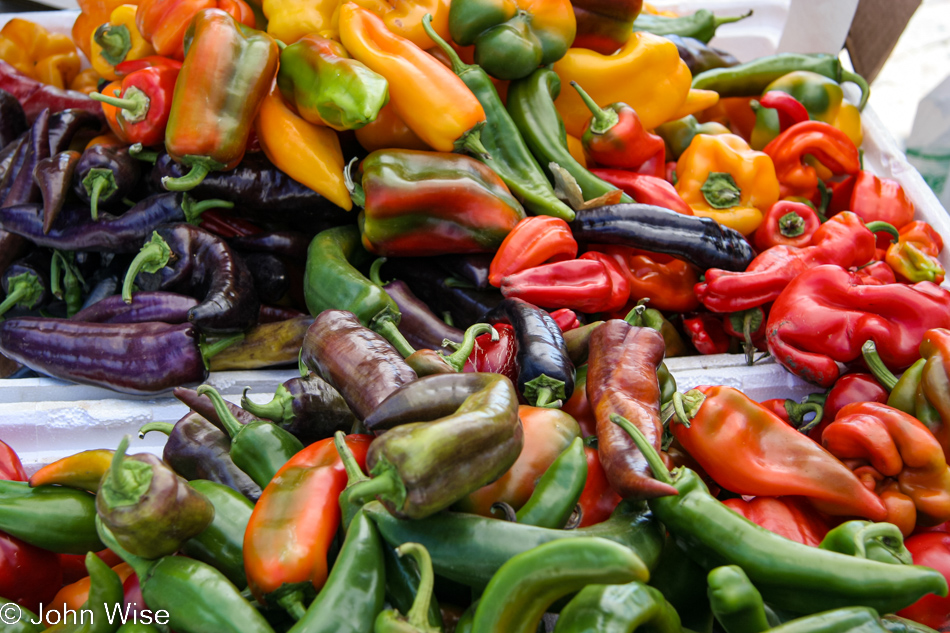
(873, 198)
(164, 22)
(93, 13)
(532, 242)
(722, 178)
(429, 97)
(829, 145)
(404, 17)
(49, 57)
(116, 41)
(145, 99)
(647, 74)
(914, 256)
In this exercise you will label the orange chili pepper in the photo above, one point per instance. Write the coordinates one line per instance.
(74, 596)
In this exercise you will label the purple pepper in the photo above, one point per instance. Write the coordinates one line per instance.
(167, 307)
(290, 244)
(26, 282)
(22, 187)
(193, 400)
(64, 125)
(421, 327)
(105, 175)
(54, 176)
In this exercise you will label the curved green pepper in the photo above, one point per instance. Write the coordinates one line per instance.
(103, 605)
(221, 544)
(897, 624)
(735, 601)
(259, 448)
(845, 620)
(701, 25)
(518, 595)
(558, 490)
(417, 618)
(618, 609)
(882, 542)
(683, 583)
(332, 282)
(56, 518)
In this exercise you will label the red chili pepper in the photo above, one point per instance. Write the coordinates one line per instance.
(532, 242)
(829, 145)
(144, 99)
(843, 240)
(578, 406)
(645, 189)
(578, 284)
(598, 500)
(615, 137)
(856, 387)
(914, 256)
(787, 223)
(790, 517)
(790, 110)
(707, 334)
(620, 288)
(28, 575)
(566, 319)
(495, 357)
(11, 469)
(930, 550)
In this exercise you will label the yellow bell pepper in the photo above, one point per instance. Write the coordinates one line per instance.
(116, 41)
(647, 74)
(308, 153)
(289, 20)
(722, 178)
(94, 13)
(86, 81)
(15, 55)
(848, 121)
(696, 101)
(49, 57)
(58, 70)
(404, 18)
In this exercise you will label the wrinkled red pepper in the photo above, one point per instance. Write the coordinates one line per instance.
(854, 387)
(787, 223)
(579, 284)
(532, 242)
(645, 189)
(930, 550)
(566, 319)
(619, 285)
(790, 110)
(877, 272)
(665, 281)
(707, 333)
(829, 145)
(873, 199)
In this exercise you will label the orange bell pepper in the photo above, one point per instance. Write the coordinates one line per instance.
(86, 81)
(388, 131)
(164, 22)
(429, 97)
(666, 281)
(404, 17)
(914, 256)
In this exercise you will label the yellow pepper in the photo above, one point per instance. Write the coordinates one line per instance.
(647, 74)
(49, 57)
(86, 81)
(15, 55)
(404, 17)
(696, 101)
(58, 70)
(116, 41)
(94, 13)
(722, 178)
(308, 153)
(289, 20)
(848, 121)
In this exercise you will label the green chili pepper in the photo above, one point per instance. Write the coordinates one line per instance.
(71, 289)
(641, 316)
(701, 25)
(751, 78)
(510, 157)
(683, 583)
(196, 596)
(417, 619)
(882, 542)
(221, 544)
(353, 595)
(490, 542)
(897, 624)
(790, 575)
(904, 394)
(332, 282)
(578, 343)
(103, 605)
(845, 620)
(679, 134)
(56, 518)
(735, 601)
(558, 490)
(259, 448)
(25, 623)
(531, 106)
(618, 608)
(522, 590)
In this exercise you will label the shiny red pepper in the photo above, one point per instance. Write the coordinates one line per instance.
(829, 145)
(619, 286)
(790, 110)
(855, 387)
(495, 357)
(645, 189)
(873, 198)
(914, 256)
(598, 500)
(790, 517)
(28, 575)
(788, 223)
(144, 100)
(665, 281)
(707, 333)
(11, 469)
(566, 319)
(877, 272)
(532, 242)
(579, 284)
(930, 550)
(164, 22)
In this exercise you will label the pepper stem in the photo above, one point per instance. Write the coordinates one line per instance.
(883, 531)
(418, 615)
(791, 224)
(387, 327)
(386, 483)
(189, 181)
(292, 603)
(134, 104)
(138, 152)
(192, 209)
(880, 226)
(846, 75)
(873, 360)
(660, 471)
(25, 290)
(115, 40)
(357, 194)
(354, 474)
(458, 66)
(162, 427)
(719, 20)
(230, 423)
(115, 468)
(545, 391)
(455, 282)
(721, 191)
(797, 412)
(687, 405)
(471, 142)
(374, 271)
(275, 410)
(544, 397)
(209, 350)
(141, 566)
(603, 120)
(635, 316)
(152, 258)
(456, 360)
(97, 180)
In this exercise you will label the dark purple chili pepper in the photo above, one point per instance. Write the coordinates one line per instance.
(54, 176)
(26, 282)
(191, 399)
(196, 449)
(105, 175)
(290, 244)
(138, 358)
(75, 231)
(23, 188)
(65, 125)
(307, 407)
(166, 307)
(271, 279)
(8, 155)
(473, 268)
(187, 259)
(12, 119)
(275, 314)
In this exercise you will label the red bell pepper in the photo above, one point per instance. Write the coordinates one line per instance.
(790, 517)
(843, 240)
(873, 199)
(598, 500)
(645, 189)
(707, 333)
(726, 428)
(877, 272)
(144, 100)
(855, 387)
(532, 242)
(665, 281)
(786, 223)
(827, 313)
(585, 285)
(615, 137)
(566, 319)
(496, 357)
(790, 110)
(28, 575)
(619, 286)
(914, 255)
(11, 469)
(829, 145)
(930, 550)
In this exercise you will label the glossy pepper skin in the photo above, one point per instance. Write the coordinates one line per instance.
(54, 176)
(327, 86)
(578, 284)
(105, 175)
(531, 242)
(294, 521)
(604, 26)
(117, 40)
(416, 620)
(149, 509)
(144, 101)
(935, 349)
(618, 607)
(555, 498)
(11, 468)
(809, 95)
(665, 281)
(803, 579)
(735, 601)
(831, 305)
(720, 416)
(679, 134)
(914, 256)
(429, 97)
(787, 223)
(645, 189)
(214, 105)
(875, 541)
(699, 56)
(512, 39)
(791, 517)
(931, 550)
(26, 515)
(426, 203)
(221, 543)
(422, 328)
(165, 24)
(874, 198)
(831, 147)
(843, 241)
(167, 307)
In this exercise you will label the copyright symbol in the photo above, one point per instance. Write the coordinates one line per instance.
(10, 613)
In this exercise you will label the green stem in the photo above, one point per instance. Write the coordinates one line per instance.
(880, 226)
(138, 152)
(456, 360)
(603, 120)
(449, 321)
(25, 290)
(791, 224)
(687, 405)
(374, 271)
(141, 566)
(194, 208)
(55, 272)
(153, 257)
(458, 66)
(97, 186)
(660, 471)
(189, 181)
(418, 615)
(391, 333)
(455, 282)
(797, 412)
(882, 531)
(354, 474)
(115, 468)
(292, 603)
(163, 427)
(115, 40)
(357, 194)
(747, 344)
(847, 75)
(230, 423)
(635, 316)
(273, 410)
(873, 360)
(471, 142)
(544, 399)
(386, 484)
(719, 21)
(209, 350)
(134, 104)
